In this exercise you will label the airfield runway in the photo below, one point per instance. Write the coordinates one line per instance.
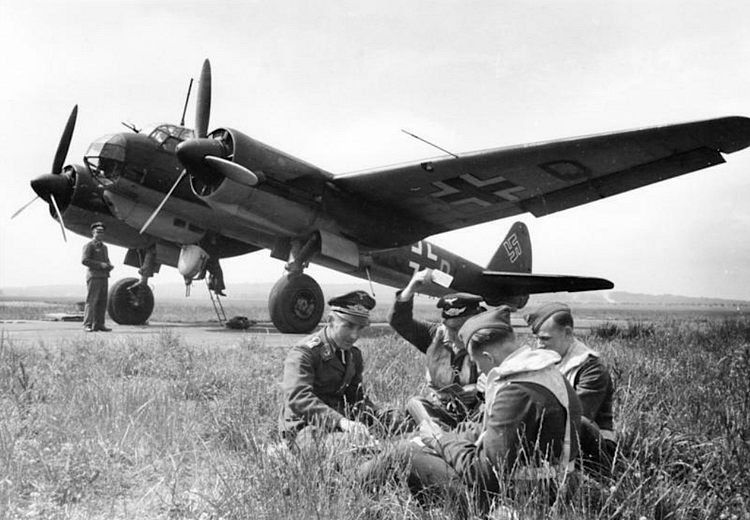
(208, 333)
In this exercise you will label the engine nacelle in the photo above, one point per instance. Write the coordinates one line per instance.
(264, 159)
(229, 172)
(262, 210)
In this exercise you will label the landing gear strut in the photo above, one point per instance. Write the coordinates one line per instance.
(296, 304)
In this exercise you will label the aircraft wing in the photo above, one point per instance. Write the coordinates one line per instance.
(513, 284)
(449, 193)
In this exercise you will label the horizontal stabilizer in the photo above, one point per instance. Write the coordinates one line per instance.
(514, 284)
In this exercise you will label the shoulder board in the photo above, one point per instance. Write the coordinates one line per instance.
(313, 341)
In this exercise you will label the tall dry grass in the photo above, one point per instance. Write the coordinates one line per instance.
(154, 427)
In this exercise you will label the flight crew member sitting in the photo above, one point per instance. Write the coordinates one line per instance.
(452, 394)
(527, 441)
(322, 382)
(552, 324)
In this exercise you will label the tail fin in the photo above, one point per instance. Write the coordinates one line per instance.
(508, 279)
(514, 253)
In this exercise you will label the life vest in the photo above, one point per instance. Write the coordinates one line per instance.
(446, 366)
(539, 367)
(570, 365)
(574, 359)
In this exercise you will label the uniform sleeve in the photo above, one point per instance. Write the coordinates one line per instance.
(418, 333)
(498, 449)
(297, 384)
(592, 384)
(87, 258)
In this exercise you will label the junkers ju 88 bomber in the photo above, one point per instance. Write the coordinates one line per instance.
(188, 198)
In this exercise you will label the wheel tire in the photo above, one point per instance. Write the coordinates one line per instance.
(296, 304)
(130, 307)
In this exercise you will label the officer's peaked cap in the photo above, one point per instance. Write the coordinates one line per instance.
(537, 318)
(95, 225)
(498, 319)
(354, 307)
(458, 305)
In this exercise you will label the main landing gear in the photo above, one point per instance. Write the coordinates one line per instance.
(296, 301)
(296, 304)
(130, 302)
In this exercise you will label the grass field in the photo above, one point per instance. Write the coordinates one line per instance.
(159, 428)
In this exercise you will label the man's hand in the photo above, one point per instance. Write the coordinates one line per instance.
(429, 432)
(419, 280)
(358, 432)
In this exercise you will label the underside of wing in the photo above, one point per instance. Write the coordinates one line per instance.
(514, 284)
(449, 193)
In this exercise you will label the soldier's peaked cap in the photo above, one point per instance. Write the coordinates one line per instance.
(498, 319)
(537, 318)
(354, 307)
(95, 225)
(458, 305)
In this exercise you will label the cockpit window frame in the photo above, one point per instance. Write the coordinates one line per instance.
(168, 136)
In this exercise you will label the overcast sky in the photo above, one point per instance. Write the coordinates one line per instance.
(335, 82)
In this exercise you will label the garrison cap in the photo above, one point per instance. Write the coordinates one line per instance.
(459, 305)
(543, 313)
(354, 307)
(95, 225)
(498, 319)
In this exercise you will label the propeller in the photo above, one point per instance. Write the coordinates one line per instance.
(24, 207)
(164, 201)
(62, 148)
(202, 116)
(200, 152)
(55, 186)
(203, 103)
(59, 216)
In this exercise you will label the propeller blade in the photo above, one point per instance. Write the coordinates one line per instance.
(203, 102)
(59, 216)
(62, 148)
(233, 171)
(164, 201)
(24, 207)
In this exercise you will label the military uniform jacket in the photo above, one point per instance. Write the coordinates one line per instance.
(525, 425)
(318, 387)
(591, 380)
(445, 366)
(94, 254)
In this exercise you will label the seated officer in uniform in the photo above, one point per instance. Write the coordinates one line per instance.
(322, 382)
(527, 441)
(452, 394)
(552, 324)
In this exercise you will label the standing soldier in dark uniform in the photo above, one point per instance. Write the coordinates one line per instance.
(552, 324)
(452, 396)
(96, 258)
(322, 383)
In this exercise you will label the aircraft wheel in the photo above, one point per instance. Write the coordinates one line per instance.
(128, 307)
(296, 304)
